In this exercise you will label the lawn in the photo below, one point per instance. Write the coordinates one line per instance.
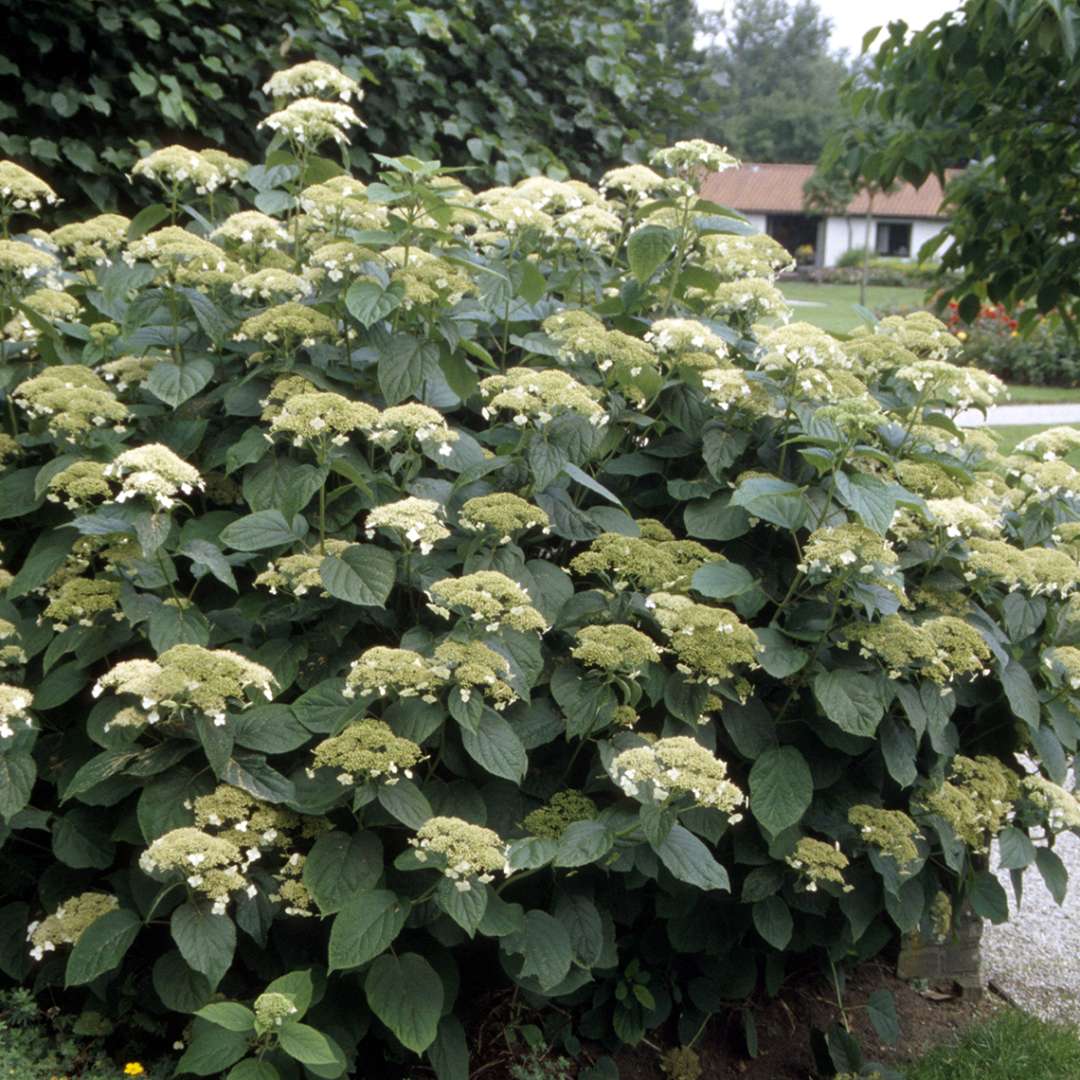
(832, 307)
(1043, 395)
(1008, 1046)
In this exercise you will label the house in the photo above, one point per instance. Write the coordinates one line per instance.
(771, 197)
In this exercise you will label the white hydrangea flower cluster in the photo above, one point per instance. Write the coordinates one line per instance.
(23, 192)
(468, 852)
(367, 749)
(68, 922)
(414, 521)
(174, 166)
(188, 677)
(154, 472)
(1060, 806)
(14, 705)
(210, 865)
(311, 79)
(307, 122)
(413, 421)
(487, 597)
(252, 228)
(407, 673)
(690, 157)
(539, 396)
(674, 767)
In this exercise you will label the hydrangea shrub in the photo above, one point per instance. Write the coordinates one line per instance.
(404, 583)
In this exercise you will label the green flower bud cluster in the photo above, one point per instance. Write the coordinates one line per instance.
(14, 703)
(468, 851)
(367, 750)
(68, 922)
(341, 203)
(850, 551)
(874, 354)
(240, 818)
(752, 299)
(901, 646)
(289, 325)
(11, 653)
(921, 333)
(155, 473)
(957, 387)
(50, 304)
(337, 258)
(73, 400)
(271, 1011)
(734, 258)
(80, 600)
(427, 279)
(730, 388)
(958, 646)
(941, 916)
(79, 485)
(299, 574)
(592, 226)
(642, 563)
(634, 183)
(581, 336)
(471, 665)
(539, 396)
(976, 801)
(892, 832)
(416, 422)
(128, 371)
(1044, 480)
(818, 863)
(563, 809)
(172, 247)
(291, 891)
(24, 262)
(1063, 664)
(412, 520)
(209, 864)
(928, 479)
(672, 337)
(251, 228)
(615, 648)
(681, 1063)
(184, 677)
(503, 514)
(710, 643)
(1051, 444)
(507, 213)
(1061, 808)
(487, 597)
(677, 767)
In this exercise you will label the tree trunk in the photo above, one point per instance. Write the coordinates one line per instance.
(866, 249)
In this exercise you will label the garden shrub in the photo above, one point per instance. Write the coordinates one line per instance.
(1044, 353)
(404, 584)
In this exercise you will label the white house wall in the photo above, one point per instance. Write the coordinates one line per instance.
(921, 231)
(757, 220)
(842, 233)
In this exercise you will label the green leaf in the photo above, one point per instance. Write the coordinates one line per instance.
(405, 363)
(230, 1015)
(174, 385)
(546, 947)
(582, 843)
(689, 860)
(648, 249)
(1017, 850)
(495, 747)
(582, 920)
(206, 941)
(781, 658)
(80, 840)
(102, 946)
(872, 501)
(988, 898)
(1053, 872)
(340, 866)
(263, 529)
(364, 928)
(179, 987)
(212, 1050)
(850, 700)
(881, 1008)
(775, 501)
(304, 1044)
(1021, 692)
(722, 580)
(406, 994)
(250, 1069)
(781, 788)
(773, 921)
(17, 775)
(466, 907)
(363, 575)
(147, 218)
(368, 301)
(406, 802)
(449, 1053)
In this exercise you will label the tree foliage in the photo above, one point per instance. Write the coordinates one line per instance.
(990, 87)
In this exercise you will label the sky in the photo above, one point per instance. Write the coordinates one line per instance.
(852, 18)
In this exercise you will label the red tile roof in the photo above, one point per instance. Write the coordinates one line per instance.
(778, 189)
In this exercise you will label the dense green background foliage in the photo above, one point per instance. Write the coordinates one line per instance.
(507, 90)
(991, 87)
(726, 732)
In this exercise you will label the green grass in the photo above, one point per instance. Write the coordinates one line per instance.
(1043, 395)
(837, 313)
(1009, 1046)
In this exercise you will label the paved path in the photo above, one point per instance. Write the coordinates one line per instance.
(1010, 415)
(1035, 956)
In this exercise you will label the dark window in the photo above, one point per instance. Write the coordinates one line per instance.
(893, 238)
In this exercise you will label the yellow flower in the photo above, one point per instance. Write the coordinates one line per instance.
(962, 335)
(134, 1068)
